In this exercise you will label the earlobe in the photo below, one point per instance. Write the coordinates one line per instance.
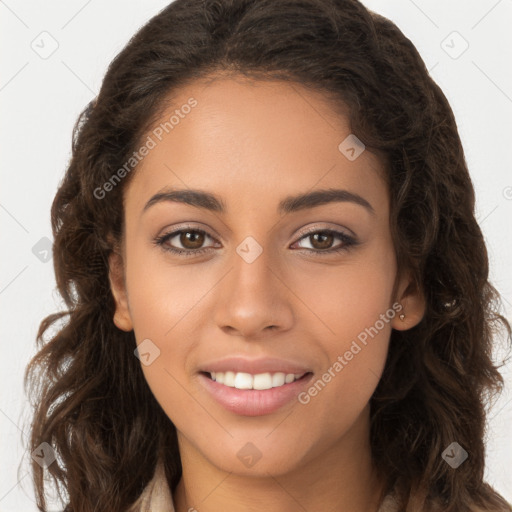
(413, 307)
(122, 318)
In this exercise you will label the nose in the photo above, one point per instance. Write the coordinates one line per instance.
(254, 299)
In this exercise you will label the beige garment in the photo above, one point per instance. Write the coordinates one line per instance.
(157, 497)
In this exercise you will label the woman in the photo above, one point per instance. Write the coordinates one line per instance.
(212, 361)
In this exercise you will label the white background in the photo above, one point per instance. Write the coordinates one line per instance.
(40, 100)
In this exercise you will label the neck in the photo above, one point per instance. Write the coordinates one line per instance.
(340, 477)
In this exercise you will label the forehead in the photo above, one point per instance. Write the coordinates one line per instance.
(251, 138)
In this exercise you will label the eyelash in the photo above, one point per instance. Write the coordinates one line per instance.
(347, 240)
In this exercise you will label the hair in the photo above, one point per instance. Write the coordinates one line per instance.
(91, 402)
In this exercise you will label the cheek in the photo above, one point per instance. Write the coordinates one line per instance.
(157, 316)
(356, 357)
(162, 296)
(342, 300)
(352, 322)
(161, 303)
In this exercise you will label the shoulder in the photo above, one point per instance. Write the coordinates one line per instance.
(156, 496)
(389, 504)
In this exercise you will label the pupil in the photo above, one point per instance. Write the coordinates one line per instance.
(192, 237)
(326, 237)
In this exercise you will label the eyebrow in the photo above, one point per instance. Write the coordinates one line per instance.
(290, 204)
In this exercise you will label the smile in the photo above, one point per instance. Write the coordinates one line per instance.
(260, 381)
(246, 394)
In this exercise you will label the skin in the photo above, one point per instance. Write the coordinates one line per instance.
(254, 143)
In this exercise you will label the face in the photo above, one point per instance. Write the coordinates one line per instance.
(250, 281)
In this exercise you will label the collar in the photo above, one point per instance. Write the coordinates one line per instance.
(157, 496)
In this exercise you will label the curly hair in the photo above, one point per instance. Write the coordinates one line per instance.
(91, 402)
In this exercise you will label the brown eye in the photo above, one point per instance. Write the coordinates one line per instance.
(322, 240)
(191, 239)
(185, 241)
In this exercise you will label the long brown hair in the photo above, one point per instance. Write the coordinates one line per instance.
(91, 402)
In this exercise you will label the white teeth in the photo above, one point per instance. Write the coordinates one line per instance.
(278, 379)
(229, 379)
(260, 381)
(243, 381)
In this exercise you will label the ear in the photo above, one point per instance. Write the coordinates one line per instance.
(413, 304)
(122, 317)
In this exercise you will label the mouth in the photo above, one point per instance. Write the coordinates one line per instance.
(259, 381)
(247, 394)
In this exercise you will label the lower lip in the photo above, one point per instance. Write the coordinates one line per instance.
(253, 402)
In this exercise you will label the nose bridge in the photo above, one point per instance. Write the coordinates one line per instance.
(252, 296)
(253, 270)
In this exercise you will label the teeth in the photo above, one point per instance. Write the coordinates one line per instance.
(289, 378)
(259, 381)
(243, 380)
(229, 379)
(278, 379)
(262, 381)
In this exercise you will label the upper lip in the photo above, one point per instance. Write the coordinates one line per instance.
(254, 366)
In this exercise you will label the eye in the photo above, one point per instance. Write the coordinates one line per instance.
(322, 241)
(192, 240)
